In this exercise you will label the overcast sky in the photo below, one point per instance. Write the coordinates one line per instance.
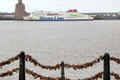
(62, 5)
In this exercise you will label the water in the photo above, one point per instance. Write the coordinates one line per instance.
(53, 42)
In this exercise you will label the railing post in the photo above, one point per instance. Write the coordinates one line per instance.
(106, 66)
(62, 71)
(22, 66)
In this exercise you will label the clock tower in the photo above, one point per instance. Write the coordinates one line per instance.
(19, 10)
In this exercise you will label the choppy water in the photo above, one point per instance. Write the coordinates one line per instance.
(53, 42)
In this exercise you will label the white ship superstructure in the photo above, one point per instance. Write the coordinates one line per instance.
(70, 15)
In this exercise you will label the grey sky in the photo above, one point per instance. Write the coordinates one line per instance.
(62, 5)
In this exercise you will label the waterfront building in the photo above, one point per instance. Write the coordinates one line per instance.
(20, 10)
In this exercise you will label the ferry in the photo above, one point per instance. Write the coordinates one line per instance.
(70, 15)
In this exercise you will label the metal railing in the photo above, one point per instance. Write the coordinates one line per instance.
(27, 58)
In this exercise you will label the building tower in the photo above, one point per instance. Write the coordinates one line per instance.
(19, 10)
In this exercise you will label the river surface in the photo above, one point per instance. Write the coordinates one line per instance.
(52, 42)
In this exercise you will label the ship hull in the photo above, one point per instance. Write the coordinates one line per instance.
(59, 20)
